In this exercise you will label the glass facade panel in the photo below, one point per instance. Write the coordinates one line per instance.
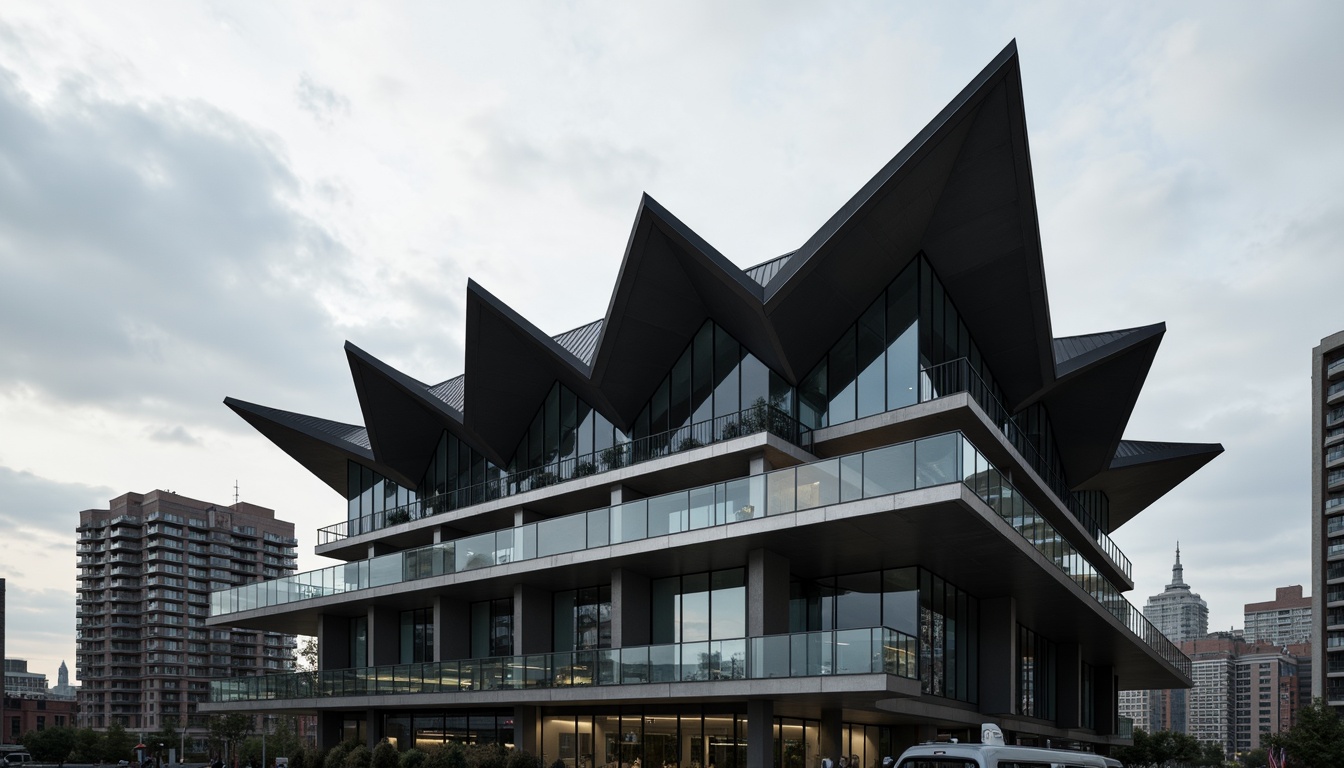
(889, 470)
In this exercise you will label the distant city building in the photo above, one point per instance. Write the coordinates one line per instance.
(1327, 520)
(147, 566)
(20, 682)
(1285, 620)
(3, 738)
(22, 715)
(63, 688)
(1181, 615)
(1242, 691)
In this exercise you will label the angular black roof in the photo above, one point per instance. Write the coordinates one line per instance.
(960, 192)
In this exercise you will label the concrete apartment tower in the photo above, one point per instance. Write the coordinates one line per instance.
(1327, 520)
(147, 565)
(1285, 620)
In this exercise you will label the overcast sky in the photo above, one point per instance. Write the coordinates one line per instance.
(206, 199)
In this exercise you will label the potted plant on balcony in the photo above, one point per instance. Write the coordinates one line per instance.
(584, 469)
(398, 516)
(614, 457)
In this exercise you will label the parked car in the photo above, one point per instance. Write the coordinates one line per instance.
(17, 758)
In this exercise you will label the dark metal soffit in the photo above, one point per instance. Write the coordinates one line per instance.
(320, 445)
(404, 417)
(1142, 472)
(1091, 404)
(961, 191)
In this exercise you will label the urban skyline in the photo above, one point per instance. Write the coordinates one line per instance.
(1186, 228)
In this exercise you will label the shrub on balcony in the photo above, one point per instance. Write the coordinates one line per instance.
(688, 444)
(398, 517)
(584, 469)
(614, 457)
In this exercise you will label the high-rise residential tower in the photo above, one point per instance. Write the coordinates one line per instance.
(147, 565)
(1285, 620)
(832, 504)
(1327, 520)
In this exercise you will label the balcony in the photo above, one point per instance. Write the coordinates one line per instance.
(759, 418)
(928, 462)
(867, 651)
(1335, 368)
(1334, 393)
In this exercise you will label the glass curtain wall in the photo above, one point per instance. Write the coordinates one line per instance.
(564, 428)
(700, 606)
(910, 600)
(455, 466)
(714, 377)
(1035, 674)
(369, 493)
(428, 731)
(653, 738)
(581, 619)
(417, 636)
(492, 628)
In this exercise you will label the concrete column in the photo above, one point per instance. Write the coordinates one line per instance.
(531, 619)
(1106, 700)
(620, 494)
(1068, 685)
(333, 642)
(829, 739)
(373, 727)
(524, 516)
(767, 593)
(329, 729)
(630, 615)
(760, 733)
(758, 464)
(452, 629)
(384, 636)
(998, 656)
(377, 548)
(527, 729)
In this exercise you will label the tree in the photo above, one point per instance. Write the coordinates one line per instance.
(117, 743)
(89, 746)
(167, 735)
(1316, 740)
(50, 745)
(227, 733)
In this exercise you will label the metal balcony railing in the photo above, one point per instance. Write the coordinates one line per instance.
(758, 418)
(866, 651)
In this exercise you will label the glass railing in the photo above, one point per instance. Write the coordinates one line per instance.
(958, 376)
(1334, 416)
(1334, 476)
(760, 417)
(863, 651)
(1335, 367)
(1334, 454)
(1334, 389)
(1334, 501)
(923, 463)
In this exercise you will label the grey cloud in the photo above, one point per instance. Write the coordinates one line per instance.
(31, 505)
(153, 260)
(177, 434)
(323, 103)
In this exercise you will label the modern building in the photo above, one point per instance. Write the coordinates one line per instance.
(147, 566)
(20, 682)
(833, 504)
(1285, 620)
(1242, 691)
(1327, 520)
(1181, 615)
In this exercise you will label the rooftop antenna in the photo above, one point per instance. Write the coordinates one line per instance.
(235, 492)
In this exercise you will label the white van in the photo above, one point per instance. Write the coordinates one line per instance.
(993, 753)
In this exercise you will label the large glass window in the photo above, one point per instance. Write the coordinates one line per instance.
(417, 636)
(701, 606)
(564, 436)
(582, 619)
(359, 642)
(492, 628)
(1035, 674)
(909, 600)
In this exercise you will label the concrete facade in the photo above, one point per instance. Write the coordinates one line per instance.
(1285, 620)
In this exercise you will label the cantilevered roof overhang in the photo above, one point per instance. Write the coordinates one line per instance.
(324, 447)
(961, 193)
(1143, 472)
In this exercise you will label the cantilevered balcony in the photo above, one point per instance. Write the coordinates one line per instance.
(929, 462)
(760, 418)
(865, 651)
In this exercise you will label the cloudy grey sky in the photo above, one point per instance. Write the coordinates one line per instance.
(201, 199)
